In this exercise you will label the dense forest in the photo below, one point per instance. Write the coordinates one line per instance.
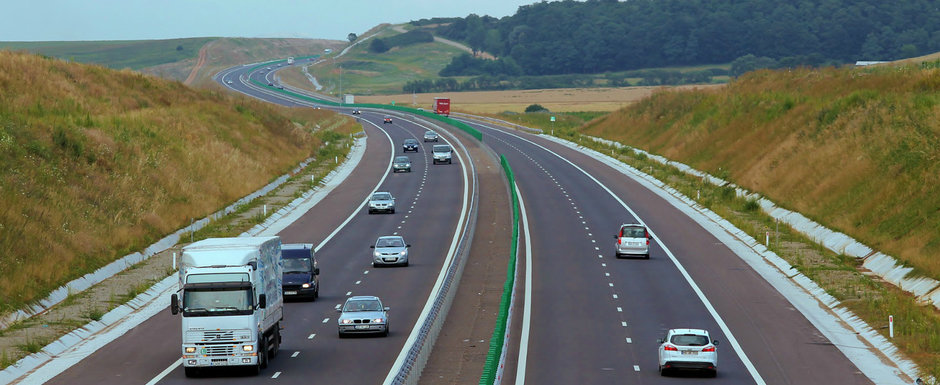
(570, 37)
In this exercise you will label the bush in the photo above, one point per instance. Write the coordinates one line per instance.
(535, 108)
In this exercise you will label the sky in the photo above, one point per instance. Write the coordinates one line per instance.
(53, 20)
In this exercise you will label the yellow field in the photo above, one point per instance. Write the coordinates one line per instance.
(558, 100)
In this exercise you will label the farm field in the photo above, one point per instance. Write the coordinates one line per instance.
(555, 100)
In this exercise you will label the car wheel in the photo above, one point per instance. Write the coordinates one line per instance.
(316, 293)
(340, 334)
(385, 333)
(646, 256)
(450, 161)
(405, 264)
(392, 211)
(374, 265)
(370, 211)
(662, 371)
(713, 373)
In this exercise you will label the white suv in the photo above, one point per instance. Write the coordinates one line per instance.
(633, 239)
(688, 349)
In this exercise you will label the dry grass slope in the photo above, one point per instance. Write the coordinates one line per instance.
(855, 149)
(99, 163)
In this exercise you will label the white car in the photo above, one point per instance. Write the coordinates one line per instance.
(390, 250)
(688, 349)
(633, 239)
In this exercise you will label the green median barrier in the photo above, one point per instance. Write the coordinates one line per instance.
(491, 365)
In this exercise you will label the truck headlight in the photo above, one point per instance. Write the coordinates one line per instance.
(248, 348)
(190, 349)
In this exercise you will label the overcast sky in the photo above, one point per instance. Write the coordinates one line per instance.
(45, 20)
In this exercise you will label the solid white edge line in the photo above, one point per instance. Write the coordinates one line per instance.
(166, 372)
(390, 378)
(721, 323)
(527, 303)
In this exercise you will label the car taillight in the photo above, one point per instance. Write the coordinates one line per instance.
(618, 240)
(709, 349)
(670, 348)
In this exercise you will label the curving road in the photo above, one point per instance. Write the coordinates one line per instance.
(595, 319)
(430, 204)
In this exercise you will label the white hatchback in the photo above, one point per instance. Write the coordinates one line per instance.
(688, 349)
(633, 239)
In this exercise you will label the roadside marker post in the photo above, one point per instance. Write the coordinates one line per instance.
(891, 326)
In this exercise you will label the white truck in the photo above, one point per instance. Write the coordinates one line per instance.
(290, 60)
(231, 303)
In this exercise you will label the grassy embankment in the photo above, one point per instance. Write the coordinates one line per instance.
(100, 163)
(366, 73)
(853, 149)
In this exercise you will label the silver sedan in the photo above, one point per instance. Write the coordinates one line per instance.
(390, 250)
(430, 136)
(363, 314)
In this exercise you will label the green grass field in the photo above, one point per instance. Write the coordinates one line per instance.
(133, 54)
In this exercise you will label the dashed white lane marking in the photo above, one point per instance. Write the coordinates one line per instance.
(276, 375)
(310, 337)
(348, 293)
(615, 296)
(619, 309)
(365, 272)
(402, 221)
(596, 248)
(593, 241)
(590, 235)
(611, 284)
(624, 323)
(325, 320)
(607, 274)
(603, 264)
(295, 354)
(629, 340)
(636, 368)
(337, 306)
(358, 282)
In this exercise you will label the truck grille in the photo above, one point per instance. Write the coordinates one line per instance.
(217, 336)
(226, 350)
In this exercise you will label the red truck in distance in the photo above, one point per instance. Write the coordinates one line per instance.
(441, 106)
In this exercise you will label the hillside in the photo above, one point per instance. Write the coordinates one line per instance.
(564, 37)
(176, 58)
(100, 163)
(854, 149)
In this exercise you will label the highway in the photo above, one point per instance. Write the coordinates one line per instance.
(595, 319)
(431, 201)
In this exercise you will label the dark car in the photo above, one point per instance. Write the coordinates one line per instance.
(356, 112)
(301, 277)
(410, 145)
(388, 119)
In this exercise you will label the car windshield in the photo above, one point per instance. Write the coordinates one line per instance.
(363, 305)
(441, 148)
(296, 265)
(390, 242)
(382, 197)
(633, 232)
(689, 340)
(430, 133)
(411, 141)
(401, 159)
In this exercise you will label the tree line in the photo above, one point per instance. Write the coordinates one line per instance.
(569, 37)
(381, 45)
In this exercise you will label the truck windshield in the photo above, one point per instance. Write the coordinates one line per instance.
(297, 265)
(212, 302)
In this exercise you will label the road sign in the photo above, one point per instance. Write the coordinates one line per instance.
(553, 118)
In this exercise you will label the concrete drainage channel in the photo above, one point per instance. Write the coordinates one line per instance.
(51, 360)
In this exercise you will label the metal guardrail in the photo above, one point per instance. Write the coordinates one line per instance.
(499, 122)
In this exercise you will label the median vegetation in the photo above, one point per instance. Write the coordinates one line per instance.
(101, 163)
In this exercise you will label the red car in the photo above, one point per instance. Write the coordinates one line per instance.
(388, 119)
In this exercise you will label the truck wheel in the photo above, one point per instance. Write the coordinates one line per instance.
(191, 372)
(263, 355)
(277, 340)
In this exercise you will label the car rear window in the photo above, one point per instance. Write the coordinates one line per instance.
(442, 148)
(689, 340)
(389, 243)
(633, 232)
(401, 159)
(382, 197)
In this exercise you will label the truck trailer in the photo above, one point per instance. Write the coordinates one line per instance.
(231, 303)
(441, 106)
